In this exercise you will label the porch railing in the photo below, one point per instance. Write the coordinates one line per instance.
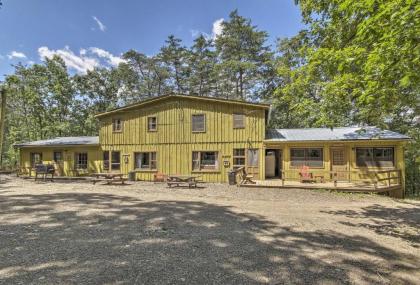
(378, 178)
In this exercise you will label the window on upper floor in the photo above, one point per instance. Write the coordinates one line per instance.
(152, 124)
(238, 121)
(117, 125)
(375, 156)
(198, 123)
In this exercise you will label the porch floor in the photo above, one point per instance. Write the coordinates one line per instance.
(328, 185)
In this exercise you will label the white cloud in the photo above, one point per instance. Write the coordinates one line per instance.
(112, 59)
(16, 54)
(87, 59)
(79, 63)
(217, 28)
(101, 26)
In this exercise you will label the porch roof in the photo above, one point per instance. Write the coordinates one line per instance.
(62, 141)
(335, 134)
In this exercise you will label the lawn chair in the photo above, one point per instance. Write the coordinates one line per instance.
(245, 177)
(159, 177)
(305, 175)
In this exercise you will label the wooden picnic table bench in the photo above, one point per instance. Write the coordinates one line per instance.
(44, 170)
(109, 178)
(180, 180)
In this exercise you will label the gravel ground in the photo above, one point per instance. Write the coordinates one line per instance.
(145, 233)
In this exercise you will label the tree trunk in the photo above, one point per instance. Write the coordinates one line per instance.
(2, 122)
(241, 84)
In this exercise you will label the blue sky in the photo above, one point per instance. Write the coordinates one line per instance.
(91, 33)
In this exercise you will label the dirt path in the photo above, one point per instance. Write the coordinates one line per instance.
(145, 233)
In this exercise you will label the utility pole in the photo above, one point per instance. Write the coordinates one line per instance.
(2, 121)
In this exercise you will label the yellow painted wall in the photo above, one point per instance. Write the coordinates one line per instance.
(94, 158)
(174, 124)
(174, 140)
(356, 173)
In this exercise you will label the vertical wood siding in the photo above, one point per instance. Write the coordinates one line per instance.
(356, 173)
(174, 140)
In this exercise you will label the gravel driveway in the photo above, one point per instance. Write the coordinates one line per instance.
(145, 233)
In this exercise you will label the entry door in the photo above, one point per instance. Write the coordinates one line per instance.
(253, 162)
(339, 163)
(58, 163)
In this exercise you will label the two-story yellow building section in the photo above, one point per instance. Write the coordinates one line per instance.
(208, 137)
(183, 135)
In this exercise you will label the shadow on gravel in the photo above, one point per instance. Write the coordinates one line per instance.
(102, 238)
(401, 222)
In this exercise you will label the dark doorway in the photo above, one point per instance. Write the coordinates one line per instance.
(273, 163)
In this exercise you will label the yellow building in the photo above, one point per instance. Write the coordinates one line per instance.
(178, 134)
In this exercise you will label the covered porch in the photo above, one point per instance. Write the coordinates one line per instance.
(382, 181)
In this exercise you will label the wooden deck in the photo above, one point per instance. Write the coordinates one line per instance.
(343, 186)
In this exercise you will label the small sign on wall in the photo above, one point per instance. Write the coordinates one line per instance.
(226, 163)
(126, 158)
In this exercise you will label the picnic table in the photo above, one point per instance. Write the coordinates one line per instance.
(180, 180)
(109, 178)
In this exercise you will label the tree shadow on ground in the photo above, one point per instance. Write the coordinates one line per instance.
(103, 238)
(401, 222)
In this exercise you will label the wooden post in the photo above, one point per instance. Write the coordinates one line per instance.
(2, 121)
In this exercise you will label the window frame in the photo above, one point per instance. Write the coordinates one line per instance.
(77, 160)
(204, 124)
(112, 163)
(375, 163)
(248, 157)
(151, 160)
(114, 129)
(148, 124)
(106, 163)
(33, 162)
(199, 160)
(306, 156)
(55, 158)
(235, 156)
(242, 126)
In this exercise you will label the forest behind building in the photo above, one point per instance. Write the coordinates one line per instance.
(354, 63)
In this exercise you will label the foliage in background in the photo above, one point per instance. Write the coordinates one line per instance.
(355, 63)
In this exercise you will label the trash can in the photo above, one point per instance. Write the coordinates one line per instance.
(131, 176)
(232, 177)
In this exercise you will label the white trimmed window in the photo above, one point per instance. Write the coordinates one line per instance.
(81, 160)
(238, 121)
(205, 160)
(375, 156)
(198, 123)
(115, 160)
(145, 160)
(117, 125)
(238, 158)
(152, 124)
(312, 157)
